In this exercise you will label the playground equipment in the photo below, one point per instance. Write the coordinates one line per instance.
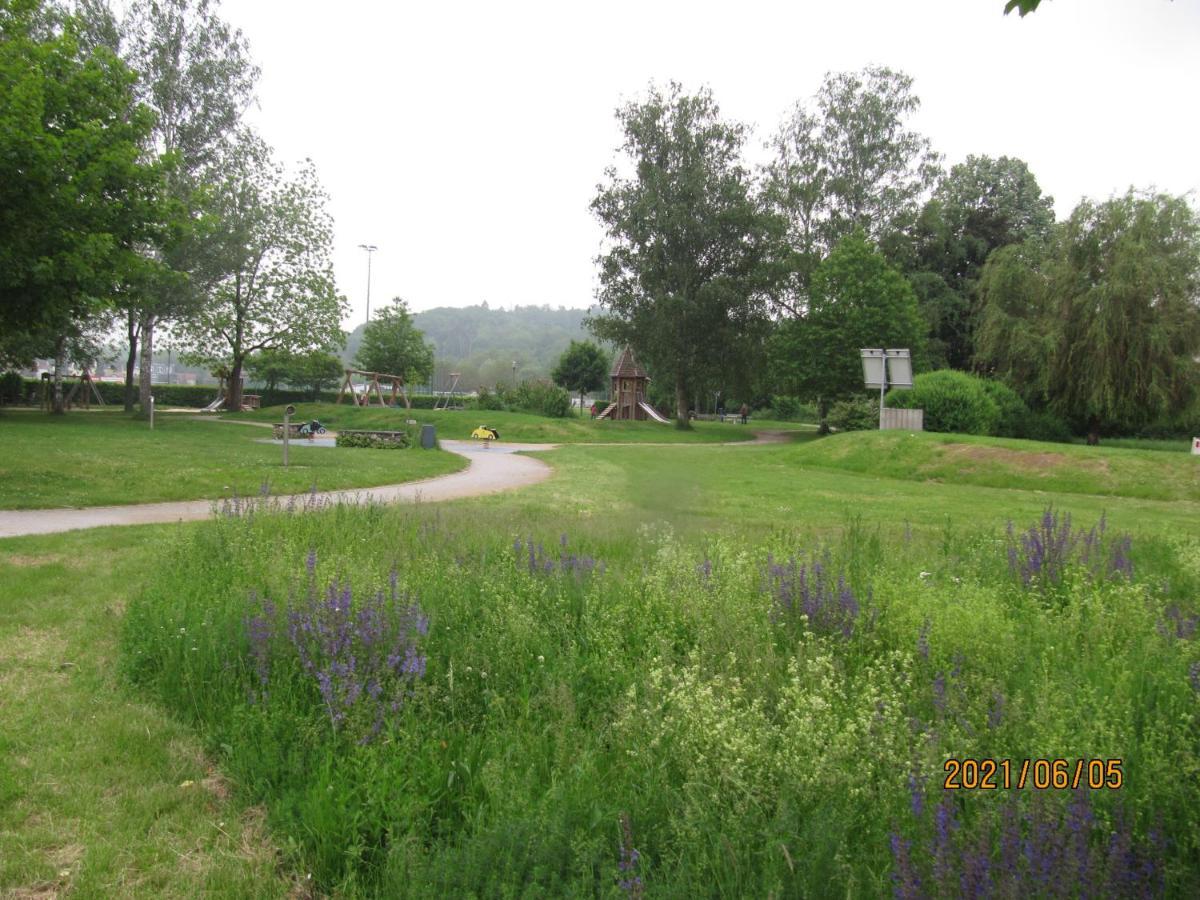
(629, 382)
(360, 395)
(85, 383)
(483, 433)
(452, 399)
(249, 401)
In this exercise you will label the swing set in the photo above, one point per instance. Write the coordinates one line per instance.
(372, 386)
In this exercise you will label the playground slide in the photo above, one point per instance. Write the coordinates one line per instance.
(215, 405)
(653, 413)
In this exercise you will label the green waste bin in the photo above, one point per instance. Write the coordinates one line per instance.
(428, 437)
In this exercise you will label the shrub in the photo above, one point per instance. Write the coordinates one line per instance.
(488, 400)
(953, 401)
(791, 409)
(1013, 412)
(12, 388)
(401, 441)
(539, 397)
(1044, 426)
(860, 414)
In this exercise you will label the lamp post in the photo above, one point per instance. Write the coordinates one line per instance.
(370, 248)
(514, 373)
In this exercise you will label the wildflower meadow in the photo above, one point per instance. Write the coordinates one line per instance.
(437, 708)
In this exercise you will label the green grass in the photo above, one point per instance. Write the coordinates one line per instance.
(109, 458)
(658, 693)
(996, 462)
(101, 793)
(519, 427)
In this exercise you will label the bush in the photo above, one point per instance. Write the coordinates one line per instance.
(539, 397)
(488, 400)
(953, 402)
(12, 388)
(1013, 413)
(402, 440)
(1044, 426)
(860, 414)
(791, 409)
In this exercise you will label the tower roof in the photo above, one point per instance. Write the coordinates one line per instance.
(627, 367)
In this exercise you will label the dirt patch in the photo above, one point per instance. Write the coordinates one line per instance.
(22, 561)
(31, 660)
(1023, 459)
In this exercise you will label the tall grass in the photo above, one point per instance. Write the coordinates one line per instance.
(429, 708)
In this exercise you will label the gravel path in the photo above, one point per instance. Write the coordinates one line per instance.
(492, 469)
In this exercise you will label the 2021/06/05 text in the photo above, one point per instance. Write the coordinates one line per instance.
(1040, 774)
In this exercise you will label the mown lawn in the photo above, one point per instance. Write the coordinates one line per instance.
(109, 458)
(519, 427)
(659, 687)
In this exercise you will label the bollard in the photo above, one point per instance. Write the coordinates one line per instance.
(287, 431)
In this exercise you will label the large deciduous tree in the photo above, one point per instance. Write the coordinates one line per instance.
(75, 199)
(847, 161)
(393, 345)
(267, 244)
(197, 75)
(982, 204)
(857, 300)
(691, 252)
(582, 367)
(1107, 311)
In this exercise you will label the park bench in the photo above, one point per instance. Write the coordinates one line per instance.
(251, 401)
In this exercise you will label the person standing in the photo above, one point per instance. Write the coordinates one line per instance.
(744, 412)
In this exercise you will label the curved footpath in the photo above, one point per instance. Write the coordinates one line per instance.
(494, 468)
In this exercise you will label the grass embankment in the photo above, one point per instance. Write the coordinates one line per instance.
(109, 458)
(750, 661)
(520, 427)
(1000, 463)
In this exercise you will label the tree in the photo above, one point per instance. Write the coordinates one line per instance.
(857, 301)
(197, 76)
(980, 205)
(1107, 310)
(75, 199)
(267, 246)
(271, 368)
(849, 164)
(692, 255)
(391, 344)
(315, 371)
(582, 367)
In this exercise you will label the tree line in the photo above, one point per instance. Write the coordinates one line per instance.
(133, 191)
(736, 281)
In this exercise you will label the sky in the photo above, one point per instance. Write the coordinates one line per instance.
(466, 140)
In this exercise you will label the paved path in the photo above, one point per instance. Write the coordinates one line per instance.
(492, 469)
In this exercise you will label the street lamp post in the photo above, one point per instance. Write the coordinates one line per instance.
(370, 248)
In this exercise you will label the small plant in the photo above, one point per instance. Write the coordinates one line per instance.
(1043, 554)
(12, 386)
(827, 603)
(401, 441)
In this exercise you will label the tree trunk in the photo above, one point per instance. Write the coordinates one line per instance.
(60, 363)
(233, 396)
(823, 415)
(681, 404)
(131, 361)
(1093, 437)
(145, 372)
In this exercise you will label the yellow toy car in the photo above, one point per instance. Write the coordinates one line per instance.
(483, 433)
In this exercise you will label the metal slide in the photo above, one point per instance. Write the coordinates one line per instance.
(653, 413)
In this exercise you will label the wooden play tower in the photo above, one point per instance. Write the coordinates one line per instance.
(629, 382)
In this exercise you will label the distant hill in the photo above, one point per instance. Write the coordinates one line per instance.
(482, 343)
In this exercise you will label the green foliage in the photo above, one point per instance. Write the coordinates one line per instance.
(539, 397)
(855, 414)
(1101, 323)
(1045, 426)
(790, 409)
(691, 253)
(12, 388)
(401, 440)
(953, 402)
(848, 164)
(857, 301)
(486, 399)
(78, 204)
(583, 367)
(391, 344)
(679, 689)
(1012, 413)
(270, 271)
(1023, 7)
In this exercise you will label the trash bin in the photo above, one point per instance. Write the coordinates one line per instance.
(428, 437)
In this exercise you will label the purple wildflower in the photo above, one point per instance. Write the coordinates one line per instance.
(923, 640)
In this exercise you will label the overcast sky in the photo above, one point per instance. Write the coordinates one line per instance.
(466, 140)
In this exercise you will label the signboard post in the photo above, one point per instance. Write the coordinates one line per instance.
(886, 368)
(287, 431)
